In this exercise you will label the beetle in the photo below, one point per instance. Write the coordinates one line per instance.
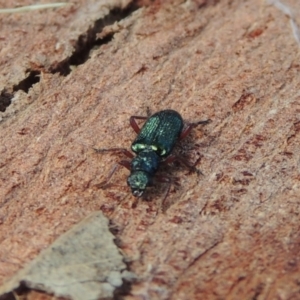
(153, 145)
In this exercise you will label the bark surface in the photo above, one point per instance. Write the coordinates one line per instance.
(73, 83)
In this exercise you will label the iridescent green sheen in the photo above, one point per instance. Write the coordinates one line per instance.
(159, 133)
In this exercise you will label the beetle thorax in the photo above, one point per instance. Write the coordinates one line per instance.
(143, 168)
(146, 160)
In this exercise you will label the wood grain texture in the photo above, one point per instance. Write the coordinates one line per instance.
(230, 234)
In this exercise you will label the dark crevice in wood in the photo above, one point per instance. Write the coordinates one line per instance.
(24, 85)
(88, 41)
(5, 100)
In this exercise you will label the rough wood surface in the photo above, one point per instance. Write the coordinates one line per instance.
(230, 234)
(83, 263)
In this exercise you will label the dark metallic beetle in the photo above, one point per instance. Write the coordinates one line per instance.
(152, 146)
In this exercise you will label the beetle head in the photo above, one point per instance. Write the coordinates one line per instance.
(138, 181)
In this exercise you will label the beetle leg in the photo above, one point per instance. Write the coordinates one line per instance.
(115, 168)
(169, 181)
(167, 193)
(171, 158)
(125, 163)
(189, 127)
(117, 150)
(134, 124)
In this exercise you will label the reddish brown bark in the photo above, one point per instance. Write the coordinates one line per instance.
(230, 234)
